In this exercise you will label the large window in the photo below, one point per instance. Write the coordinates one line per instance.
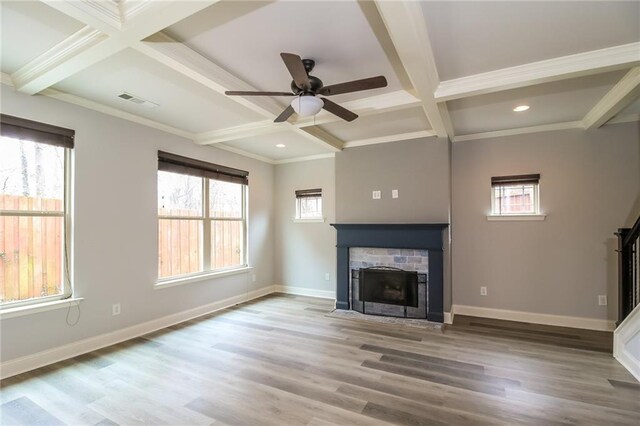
(515, 195)
(34, 163)
(201, 216)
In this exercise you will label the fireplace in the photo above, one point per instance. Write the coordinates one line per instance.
(416, 250)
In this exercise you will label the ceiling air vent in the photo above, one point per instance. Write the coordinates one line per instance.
(137, 100)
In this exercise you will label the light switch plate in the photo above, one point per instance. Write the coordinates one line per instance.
(394, 193)
(377, 195)
(602, 300)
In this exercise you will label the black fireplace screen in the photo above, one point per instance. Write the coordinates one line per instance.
(389, 291)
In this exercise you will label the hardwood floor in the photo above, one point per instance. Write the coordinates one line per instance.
(280, 361)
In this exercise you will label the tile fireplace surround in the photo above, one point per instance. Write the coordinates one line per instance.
(418, 245)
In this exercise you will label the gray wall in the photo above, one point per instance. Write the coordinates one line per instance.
(115, 227)
(305, 252)
(589, 183)
(419, 169)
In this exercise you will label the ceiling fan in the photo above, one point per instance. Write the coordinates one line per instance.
(306, 89)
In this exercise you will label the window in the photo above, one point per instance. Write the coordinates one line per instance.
(34, 222)
(201, 216)
(515, 195)
(309, 204)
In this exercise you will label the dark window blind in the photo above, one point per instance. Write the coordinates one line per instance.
(309, 193)
(21, 128)
(174, 163)
(515, 180)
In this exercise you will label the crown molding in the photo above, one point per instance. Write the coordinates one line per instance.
(391, 138)
(244, 153)
(6, 79)
(520, 131)
(616, 99)
(571, 66)
(630, 118)
(104, 16)
(306, 158)
(86, 103)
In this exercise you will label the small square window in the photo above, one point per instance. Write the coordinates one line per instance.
(515, 195)
(309, 204)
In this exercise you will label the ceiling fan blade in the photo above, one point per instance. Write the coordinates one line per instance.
(296, 69)
(354, 86)
(341, 112)
(288, 111)
(240, 93)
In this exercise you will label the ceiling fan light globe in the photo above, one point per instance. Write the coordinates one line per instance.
(305, 106)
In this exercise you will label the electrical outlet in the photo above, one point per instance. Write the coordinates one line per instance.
(253, 278)
(376, 195)
(602, 300)
(327, 277)
(394, 193)
(115, 309)
(483, 291)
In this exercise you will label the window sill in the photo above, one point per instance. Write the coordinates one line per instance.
(200, 277)
(320, 220)
(34, 308)
(517, 217)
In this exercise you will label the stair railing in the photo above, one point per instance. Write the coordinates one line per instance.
(628, 270)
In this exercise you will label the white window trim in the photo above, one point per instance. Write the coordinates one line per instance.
(516, 217)
(314, 220)
(205, 260)
(536, 205)
(34, 308)
(193, 278)
(298, 219)
(32, 305)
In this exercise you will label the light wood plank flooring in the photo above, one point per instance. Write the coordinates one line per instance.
(280, 361)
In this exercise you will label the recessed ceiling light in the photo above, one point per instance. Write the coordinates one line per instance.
(521, 108)
(280, 145)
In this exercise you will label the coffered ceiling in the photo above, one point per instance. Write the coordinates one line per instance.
(454, 69)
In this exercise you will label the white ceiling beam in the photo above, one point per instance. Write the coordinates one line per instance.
(102, 37)
(618, 98)
(520, 131)
(193, 65)
(257, 128)
(390, 138)
(189, 63)
(372, 105)
(77, 52)
(565, 67)
(408, 31)
(320, 137)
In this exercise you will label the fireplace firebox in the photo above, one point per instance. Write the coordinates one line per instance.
(389, 291)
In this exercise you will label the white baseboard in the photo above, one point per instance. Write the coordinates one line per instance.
(448, 317)
(628, 330)
(303, 291)
(531, 317)
(60, 353)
